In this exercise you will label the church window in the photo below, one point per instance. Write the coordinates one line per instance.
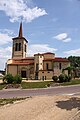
(16, 46)
(19, 45)
(37, 67)
(47, 66)
(25, 47)
(60, 66)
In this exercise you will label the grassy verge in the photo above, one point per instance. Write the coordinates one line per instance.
(2, 85)
(72, 82)
(29, 85)
(42, 84)
(9, 101)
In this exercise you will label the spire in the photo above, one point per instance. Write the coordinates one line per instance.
(20, 30)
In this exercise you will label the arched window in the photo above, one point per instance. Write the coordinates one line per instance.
(16, 46)
(25, 47)
(60, 66)
(47, 66)
(19, 46)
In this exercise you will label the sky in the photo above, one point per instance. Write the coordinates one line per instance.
(48, 25)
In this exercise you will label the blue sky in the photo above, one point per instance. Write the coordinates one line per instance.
(48, 25)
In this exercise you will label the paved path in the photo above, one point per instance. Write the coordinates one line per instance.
(36, 92)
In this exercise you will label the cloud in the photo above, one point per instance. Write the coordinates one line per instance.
(4, 57)
(67, 40)
(5, 38)
(3, 52)
(62, 37)
(75, 52)
(40, 48)
(17, 9)
(7, 31)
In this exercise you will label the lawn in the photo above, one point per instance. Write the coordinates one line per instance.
(2, 85)
(29, 85)
(72, 82)
(42, 84)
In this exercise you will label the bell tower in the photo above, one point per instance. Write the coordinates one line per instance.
(19, 48)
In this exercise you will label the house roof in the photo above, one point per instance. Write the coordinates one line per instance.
(44, 53)
(27, 58)
(21, 63)
(57, 59)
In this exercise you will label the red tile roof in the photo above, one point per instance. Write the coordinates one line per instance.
(21, 63)
(57, 59)
(44, 53)
(48, 53)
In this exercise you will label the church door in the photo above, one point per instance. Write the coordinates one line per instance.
(23, 74)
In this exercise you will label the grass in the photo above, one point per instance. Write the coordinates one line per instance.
(42, 84)
(2, 85)
(29, 85)
(72, 82)
(10, 101)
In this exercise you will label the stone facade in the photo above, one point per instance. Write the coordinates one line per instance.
(40, 66)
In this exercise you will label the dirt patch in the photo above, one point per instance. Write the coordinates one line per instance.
(43, 108)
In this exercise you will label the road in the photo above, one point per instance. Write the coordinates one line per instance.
(9, 93)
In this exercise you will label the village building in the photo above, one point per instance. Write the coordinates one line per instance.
(40, 66)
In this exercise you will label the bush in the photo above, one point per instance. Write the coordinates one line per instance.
(62, 78)
(69, 78)
(55, 78)
(17, 79)
(8, 78)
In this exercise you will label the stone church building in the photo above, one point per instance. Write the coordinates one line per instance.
(40, 66)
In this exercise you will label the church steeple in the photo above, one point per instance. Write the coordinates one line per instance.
(20, 31)
(19, 45)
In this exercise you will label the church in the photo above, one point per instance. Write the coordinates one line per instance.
(40, 66)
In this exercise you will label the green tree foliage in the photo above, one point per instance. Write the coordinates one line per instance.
(55, 78)
(64, 78)
(17, 79)
(10, 79)
(75, 61)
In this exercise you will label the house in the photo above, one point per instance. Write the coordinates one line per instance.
(40, 66)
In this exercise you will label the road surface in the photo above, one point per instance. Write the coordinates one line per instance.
(10, 93)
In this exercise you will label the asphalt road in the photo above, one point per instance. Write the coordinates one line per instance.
(10, 93)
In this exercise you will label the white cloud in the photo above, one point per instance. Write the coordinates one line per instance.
(5, 54)
(62, 37)
(67, 40)
(17, 9)
(75, 52)
(40, 48)
(7, 31)
(5, 38)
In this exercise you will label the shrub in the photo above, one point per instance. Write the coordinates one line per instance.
(69, 78)
(8, 78)
(62, 78)
(17, 79)
(55, 78)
